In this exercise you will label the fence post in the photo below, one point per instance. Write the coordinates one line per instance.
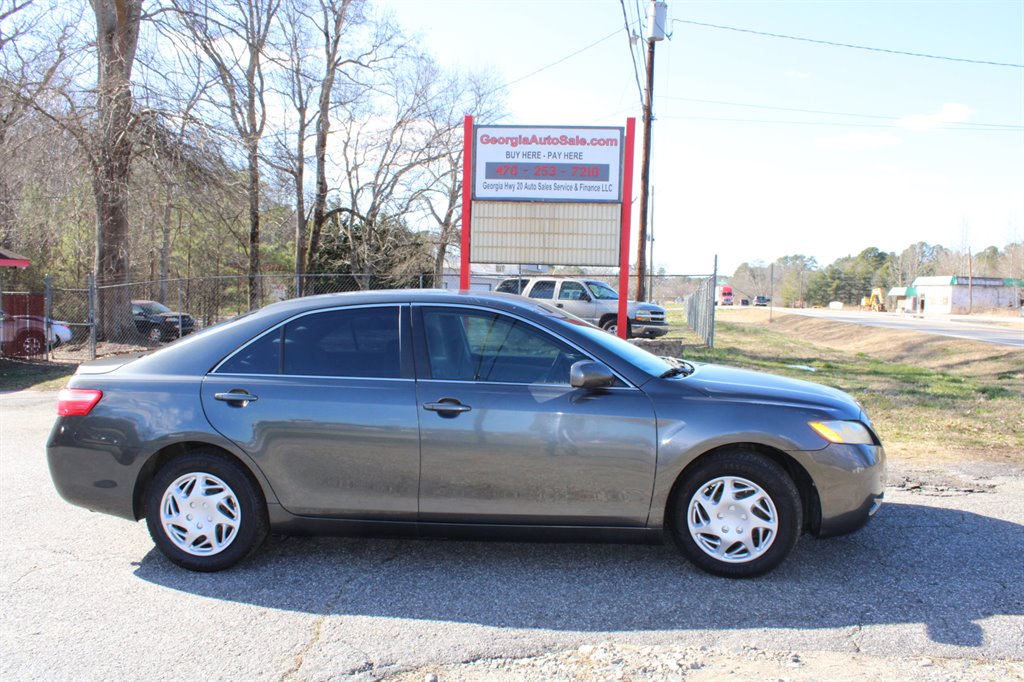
(711, 304)
(181, 308)
(47, 314)
(92, 315)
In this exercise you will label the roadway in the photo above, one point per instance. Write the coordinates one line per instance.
(956, 328)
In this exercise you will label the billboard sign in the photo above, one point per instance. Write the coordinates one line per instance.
(547, 163)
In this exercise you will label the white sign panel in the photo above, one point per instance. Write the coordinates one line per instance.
(528, 163)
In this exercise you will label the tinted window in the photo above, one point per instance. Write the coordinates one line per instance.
(480, 346)
(262, 356)
(572, 291)
(543, 289)
(513, 286)
(359, 342)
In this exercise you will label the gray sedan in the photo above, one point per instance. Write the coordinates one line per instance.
(438, 413)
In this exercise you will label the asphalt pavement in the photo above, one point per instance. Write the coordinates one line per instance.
(86, 597)
(956, 328)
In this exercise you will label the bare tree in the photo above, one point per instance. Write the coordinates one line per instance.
(29, 65)
(117, 37)
(235, 37)
(337, 17)
(442, 194)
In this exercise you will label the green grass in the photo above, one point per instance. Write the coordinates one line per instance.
(17, 375)
(921, 410)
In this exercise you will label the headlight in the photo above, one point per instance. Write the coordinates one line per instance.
(853, 433)
(643, 316)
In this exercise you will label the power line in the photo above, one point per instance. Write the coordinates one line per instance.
(567, 57)
(855, 47)
(632, 53)
(830, 113)
(833, 123)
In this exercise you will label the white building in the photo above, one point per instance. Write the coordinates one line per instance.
(956, 295)
(487, 277)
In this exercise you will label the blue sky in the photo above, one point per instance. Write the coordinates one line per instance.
(907, 161)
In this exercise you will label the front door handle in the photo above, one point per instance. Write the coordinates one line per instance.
(447, 405)
(559, 305)
(236, 396)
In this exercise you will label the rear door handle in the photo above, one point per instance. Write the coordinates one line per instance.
(447, 405)
(243, 397)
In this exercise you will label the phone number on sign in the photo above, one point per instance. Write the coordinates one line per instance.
(554, 171)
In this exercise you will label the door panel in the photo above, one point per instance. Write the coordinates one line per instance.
(330, 416)
(328, 446)
(536, 454)
(574, 299)
(524, 446)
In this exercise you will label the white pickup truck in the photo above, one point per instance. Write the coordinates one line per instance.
(592, 300)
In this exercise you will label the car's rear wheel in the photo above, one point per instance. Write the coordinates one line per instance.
(737, 514)
(154, 335)
(205, 512)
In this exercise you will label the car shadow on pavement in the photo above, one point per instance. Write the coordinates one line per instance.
(940, 567)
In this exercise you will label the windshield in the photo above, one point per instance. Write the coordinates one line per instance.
(635, 355)
(602, 291)
(154, 308)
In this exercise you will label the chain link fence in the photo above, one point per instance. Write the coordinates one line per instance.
(74, 324)
(700, 311)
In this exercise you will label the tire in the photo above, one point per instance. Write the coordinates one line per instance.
(737, 486)
(30, 343)
(237, 512)
(154, 335)
(611, 325)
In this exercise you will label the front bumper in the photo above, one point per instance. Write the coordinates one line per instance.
(647, 330)
(850, 482)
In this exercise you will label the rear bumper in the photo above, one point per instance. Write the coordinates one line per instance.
(99, 476)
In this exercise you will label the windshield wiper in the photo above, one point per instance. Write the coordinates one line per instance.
(683, 369)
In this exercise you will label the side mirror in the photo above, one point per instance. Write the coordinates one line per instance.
(590, 374)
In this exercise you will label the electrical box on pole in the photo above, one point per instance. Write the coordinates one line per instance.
(656, 23)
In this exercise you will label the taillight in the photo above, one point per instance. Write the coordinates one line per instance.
(77, 402)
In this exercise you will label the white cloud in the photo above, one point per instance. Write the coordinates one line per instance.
(950, 112)
(852, 142)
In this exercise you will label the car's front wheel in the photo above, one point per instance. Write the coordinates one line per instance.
(611, 326)
(204, 511)
(736, 514)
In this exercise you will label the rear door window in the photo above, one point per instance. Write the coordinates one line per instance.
(543, 289)
(354, 342)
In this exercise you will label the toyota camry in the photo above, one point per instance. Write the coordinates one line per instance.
(442, 414)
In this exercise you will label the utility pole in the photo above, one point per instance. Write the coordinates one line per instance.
(655, 32)
(650, 237)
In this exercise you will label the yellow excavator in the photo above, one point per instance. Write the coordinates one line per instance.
(876, 301)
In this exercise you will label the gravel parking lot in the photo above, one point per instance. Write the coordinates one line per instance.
(932, 588)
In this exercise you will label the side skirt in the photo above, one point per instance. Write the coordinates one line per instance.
(283, 523)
